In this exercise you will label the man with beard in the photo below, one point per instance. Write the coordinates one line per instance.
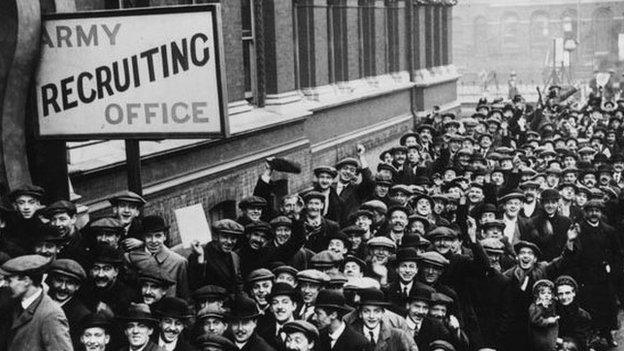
(253, 209)
(104, 292)
(243, 320)
(317, 227)
(33, 321)
(574, 322)
(105, 231)
(351, 193)
(550, 232)
(371, 324)
(23, 226)
(139, 325)
(65, 277)
(127, 208)
(173, 318)
(156, 254)
(153, 286)
(284, 300)
(311, 282)
(332, 203)
(300, 336)
(95, 332)
(398, 223)
(62, 217)
(259, 284)
(424, 328)
(599, 252)
(407, 268)
(530, 205)
(216, 263)
(335, 334)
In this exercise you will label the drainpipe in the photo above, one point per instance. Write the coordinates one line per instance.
(410, 55)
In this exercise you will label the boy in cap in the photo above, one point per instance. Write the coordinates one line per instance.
(173, 318)
(211, 320)
(332, 203)
(209, 295)
(287, 245)
(62, 217)
(34, 319)
(253, 209)
(127, 208)
(335, 334)
(311, 281)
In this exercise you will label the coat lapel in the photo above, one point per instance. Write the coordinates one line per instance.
(28, 313)
(384, 336)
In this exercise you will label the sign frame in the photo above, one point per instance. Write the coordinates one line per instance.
(214, 10)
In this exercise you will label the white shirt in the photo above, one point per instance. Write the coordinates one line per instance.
(333, 337)
(529, 208)
(413, 325)
(375, 333)
(169, 346)
(29, 300)
(510, 228)
(241, 345)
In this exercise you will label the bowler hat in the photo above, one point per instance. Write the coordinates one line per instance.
(156, 276)
(243, 308)
(210, 291)
(173, 307)
(357, 260)
(405, 136)
(373, 297)
(107, 254)
(407, 254)
(422, 127)
(331, 299)
(95, 320)
(550, 194)
(284, 289)
(300, 326)
(419, 294)
(153, 224)
(139, 312)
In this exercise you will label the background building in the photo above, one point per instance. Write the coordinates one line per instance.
(503, 35)
(306, 80)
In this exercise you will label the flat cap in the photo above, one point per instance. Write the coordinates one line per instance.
(529, 184)
(348, 161)
(361, 283)
(566, 280)
(29, 189)
(62, 206)
(527, 244)
(586, 150)
(442, 233)
(510, 196)
(497, 223)
(353, 230)
(106, 225)
(259, 274)
(375, 205)
(173, 307)
(339, 236)
(259, 227)
(215, 341)
(68, 268)
(313, 275)
(228, 226)
(441, 299)
(281, 221)
(594, 203)
(212, 311)
(388, 167)
(493, 245)
(27, 264)
(433, 258)
(381, 241)
(401, 188)
(209, 291)
(285, 269)
(540, 283)
(304, 327)
(156, 276)
(360, 262)
(127, 196)
(422, 127)
(313, 194)
(441, 345)
(252, 202)
(325, 169)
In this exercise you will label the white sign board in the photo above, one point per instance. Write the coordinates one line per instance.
(193, 225)
(143, 73)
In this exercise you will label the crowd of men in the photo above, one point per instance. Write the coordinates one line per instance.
(502, 230)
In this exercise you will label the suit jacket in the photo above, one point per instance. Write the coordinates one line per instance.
(354, 194)
(316, 240)
(257, 343)
(431, 330)
(266, 330)
(171, 264)
(390, 339)
(551, 244)
(41, 326)
(349, 340)
(219, 268)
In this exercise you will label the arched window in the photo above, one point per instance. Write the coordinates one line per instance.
(540, 34)
(510, 32)
(603, 32)
(569, 23)
(480, 36)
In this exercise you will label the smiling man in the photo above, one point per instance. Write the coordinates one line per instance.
(284, 301)
(127, 208)
(243, 320)
(95, 332)
(173, 317)
(26, 201)
(156, 254)
(153, 286)
(138, 327)
(259, 284)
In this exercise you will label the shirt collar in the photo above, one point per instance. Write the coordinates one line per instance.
(335, 335)
(407, 286)
(412, 324)
(29, 300)
(375, 331)
(168, 346)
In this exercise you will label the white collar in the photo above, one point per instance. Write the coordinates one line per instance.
(168, 346)
(412, 324)
(407, 286)
(594, 225)
(335, 335)
(241, 345)
(29, 300)
(375, 331)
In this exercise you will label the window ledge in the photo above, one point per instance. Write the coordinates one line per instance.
(435, 75)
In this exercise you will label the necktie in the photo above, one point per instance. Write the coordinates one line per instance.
(372, 338)
(405, 291)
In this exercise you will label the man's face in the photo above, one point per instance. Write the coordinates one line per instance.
(283, 308)
(103, 274)
(171, 328)
(430, 274)
(94, 339)
(371, 315)
(154, 242)
(605, 179)
(347, 173)
(309, 291)
(355, 240)
(425, 135)
(530, 193)
(227, 241)
(298, 342)
(439, 206)
(593, 214)
(493, 232)
(243, 329)
(109, 239)
(260, 290)
(286, 278)
(569, 177)
(253, 213)
(485, 142)
(282, 234)
(321, 318)
(443, 245)
(526, 258)
(352, 270)
(512, 207)
(418, 310)
(417, 227)
(551, 206)
(380, 253)
(581, 198)
(407, 271)
(27, 205)
(567, 193)
(381, 190)
(152, 292)
(498, 178)
(569, 161)
(337, 246)
(399, 157)
(257, 240)
(423, 207)
(494, 258)
(324, 180)
(618, 166)
(62, 288)
(487, 217)
(126, 211)
(211, 302)
(47, 249)
(19, 285)
(314, 207)
(438, 312)
(64, 223)
(565, 294)
(138, 334)
(290, 206)
(399, 196)
(413, 156)
(398, 221)
(214, 325)
(475, 195)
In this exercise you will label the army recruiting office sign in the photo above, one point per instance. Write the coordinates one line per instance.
(143, 73)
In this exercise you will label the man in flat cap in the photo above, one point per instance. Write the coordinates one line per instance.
(300, 336)
(574, 322)
(157, 254)
(311, 282)
(259, 284)
(173, 316)
(65, 276)
(212, 342)
(153, 286)
(216, 262)
(33, 321)
(127, 208)
(243, 320)
(348, 189)
(252, 250)
(287, 243)
(211, 320)
(332, 203)
(139, 324)
(23, 226)
(105, 231)
(317, 227)
(335, 334)
(284, 302)
(62, 217)
(253, 208)
(210, 295)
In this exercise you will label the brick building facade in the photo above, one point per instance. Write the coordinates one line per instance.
(306, 80)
